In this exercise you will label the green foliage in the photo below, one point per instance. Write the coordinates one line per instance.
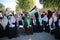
(17, 7)
(1, 6)
(25, 4)
(51, 3)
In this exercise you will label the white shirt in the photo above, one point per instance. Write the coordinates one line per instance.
(55, 18)
(19, 17)
(34, 22)
(6, 12)
(11, 21)
(59, 22)
(50, 22)
(4, 22)
(45, 18)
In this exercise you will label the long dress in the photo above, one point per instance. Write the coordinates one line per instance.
(27, 25)
(40, 24)
(51, 25)
(13, 25)
(45, 23)
(57, 31)
(34, 25)
(1, 31)
(4, 25)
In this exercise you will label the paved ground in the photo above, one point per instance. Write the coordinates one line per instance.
(35, 36)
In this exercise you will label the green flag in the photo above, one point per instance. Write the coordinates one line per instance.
(33, 12)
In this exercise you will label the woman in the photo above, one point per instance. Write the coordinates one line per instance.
(37, 22)
(34, 23)
(55, 17)
(40, 23)
(3, 25)
(28, 25)
(45, 22)
(57, 30)
(13, 25)
(51, 25)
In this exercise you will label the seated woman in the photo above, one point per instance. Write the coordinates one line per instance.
(40, 23)
(13, 25)
(57, 31)
(27, 25)
(21, 22)
(37, 22)
(51, 25)
(34, 23)
(45, 23)
(3, 24)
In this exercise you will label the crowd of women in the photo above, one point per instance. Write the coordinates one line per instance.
(48, 21)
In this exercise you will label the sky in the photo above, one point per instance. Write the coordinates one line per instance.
(12, 3)
(9, 3)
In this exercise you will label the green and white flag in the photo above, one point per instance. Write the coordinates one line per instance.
(33, 12)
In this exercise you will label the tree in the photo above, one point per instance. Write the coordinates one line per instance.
(51, 3)
(1, 6)
(26, 5)
(17, 7)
